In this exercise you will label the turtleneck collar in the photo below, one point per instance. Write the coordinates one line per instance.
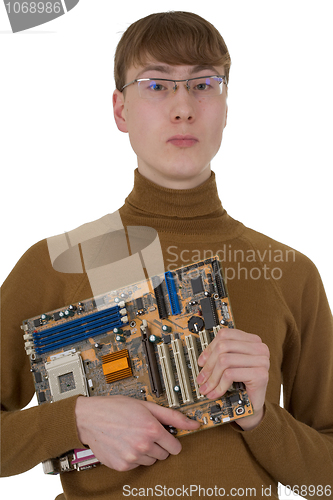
(154, 200)
(195, 213)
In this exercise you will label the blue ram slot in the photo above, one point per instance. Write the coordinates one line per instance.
(172, 292)
(80, 328)
(79, 331)
(78, 338)
(72, 324)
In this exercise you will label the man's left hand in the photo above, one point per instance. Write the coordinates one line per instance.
(236, 356)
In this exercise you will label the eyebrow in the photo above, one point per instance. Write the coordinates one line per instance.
(154, 67)
(201, 67)
(167, 69)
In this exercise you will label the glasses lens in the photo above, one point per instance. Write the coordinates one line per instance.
(201, 87)
(206, 86)
(155, 89)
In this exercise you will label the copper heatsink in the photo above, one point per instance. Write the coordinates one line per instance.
(116, 366)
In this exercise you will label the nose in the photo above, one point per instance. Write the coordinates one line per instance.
(181, 104)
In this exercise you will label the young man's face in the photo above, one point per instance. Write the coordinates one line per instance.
(158, 129)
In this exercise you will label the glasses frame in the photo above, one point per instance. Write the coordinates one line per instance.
(175, 87)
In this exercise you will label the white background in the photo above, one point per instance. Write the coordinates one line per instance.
(64, 162)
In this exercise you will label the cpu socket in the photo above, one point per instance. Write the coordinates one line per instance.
(66, 376)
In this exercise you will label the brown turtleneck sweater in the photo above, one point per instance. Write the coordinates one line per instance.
(275, 292)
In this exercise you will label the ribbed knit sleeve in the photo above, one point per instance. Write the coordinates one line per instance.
(39, 433)
(294, 444)
(292, 452)
(31, 436)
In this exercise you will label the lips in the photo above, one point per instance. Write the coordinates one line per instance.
(183, 141)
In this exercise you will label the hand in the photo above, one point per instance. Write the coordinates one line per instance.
(236, 356)
(124, 432)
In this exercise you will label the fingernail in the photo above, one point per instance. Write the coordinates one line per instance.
(200, 360)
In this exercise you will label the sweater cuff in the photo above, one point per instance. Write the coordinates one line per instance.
(263, 427)
(57, 421)
(270, 429)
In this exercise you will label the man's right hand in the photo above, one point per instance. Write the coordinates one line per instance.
(124, 432)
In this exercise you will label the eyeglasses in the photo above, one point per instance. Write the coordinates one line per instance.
(159, 88)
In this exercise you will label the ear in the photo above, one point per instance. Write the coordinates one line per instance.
(118, 110)
(226, 115)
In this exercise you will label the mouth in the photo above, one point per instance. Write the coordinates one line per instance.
(183, 141)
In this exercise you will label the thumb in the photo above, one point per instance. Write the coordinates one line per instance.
(167, 416)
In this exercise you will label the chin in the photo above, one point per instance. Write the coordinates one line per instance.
(183, 172)
(178, 176)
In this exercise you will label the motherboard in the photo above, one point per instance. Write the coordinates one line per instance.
(141, 341)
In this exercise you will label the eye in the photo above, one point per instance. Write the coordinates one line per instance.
(156, 86)
(203, 85)
(207, 85)
(153, 89)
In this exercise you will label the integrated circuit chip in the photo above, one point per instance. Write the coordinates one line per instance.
(209, 312)
(197, 285)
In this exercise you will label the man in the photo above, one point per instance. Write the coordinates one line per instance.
(171, 73)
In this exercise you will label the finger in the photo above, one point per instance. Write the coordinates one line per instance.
(145, 460)
(167, 416)
(224, 335)
(234, 333)
(223, 347)
(255, 379)
(221, 388)
(168, 442)
(227, 362)
(157, 452)
(123, 465)
(154, 453)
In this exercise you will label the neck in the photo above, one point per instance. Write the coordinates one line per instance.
(175, 179)
(156, 200)
(196, 211)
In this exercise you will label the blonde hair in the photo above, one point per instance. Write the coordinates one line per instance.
(174, 38)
